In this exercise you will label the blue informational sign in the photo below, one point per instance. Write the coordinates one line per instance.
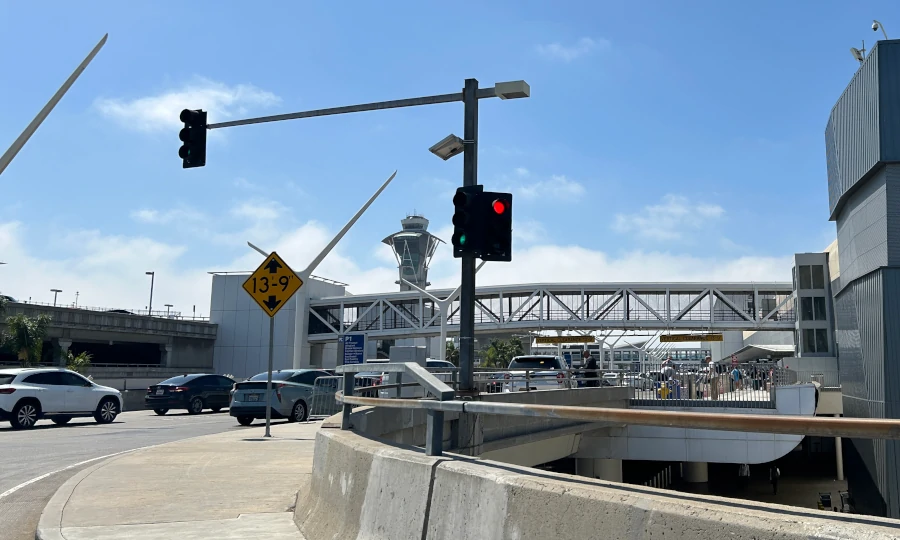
(354, 348)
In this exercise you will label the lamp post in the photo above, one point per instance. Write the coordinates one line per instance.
(55, 292)
(469, 96)
(150, 307)
(446, 149)
(168, 306)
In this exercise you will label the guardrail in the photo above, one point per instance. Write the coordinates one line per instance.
(443, 401)
(434, 428)
(176, 315)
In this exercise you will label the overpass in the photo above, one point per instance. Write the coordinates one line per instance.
(562, 306)
(131, 340)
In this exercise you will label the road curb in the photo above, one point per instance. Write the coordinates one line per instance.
(50, 525)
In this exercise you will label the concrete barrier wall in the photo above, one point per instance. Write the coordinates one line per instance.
(364, 489)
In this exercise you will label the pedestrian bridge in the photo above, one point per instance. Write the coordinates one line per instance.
(562, 306)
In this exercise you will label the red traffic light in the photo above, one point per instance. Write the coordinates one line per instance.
(499, 206)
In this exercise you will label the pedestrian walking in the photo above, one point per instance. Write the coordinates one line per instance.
(591, 373)
(774, 473)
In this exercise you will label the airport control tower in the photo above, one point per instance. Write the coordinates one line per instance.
(413, 246)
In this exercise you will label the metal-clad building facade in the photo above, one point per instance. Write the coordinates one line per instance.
(863, 154)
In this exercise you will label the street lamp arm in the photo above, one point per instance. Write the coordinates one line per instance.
(377, 106)
(315, 263)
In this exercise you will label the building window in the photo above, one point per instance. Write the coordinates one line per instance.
(818, 277)
(815, 340)
(805, 277)
(819, 308)
(821, 340)
(806, 309)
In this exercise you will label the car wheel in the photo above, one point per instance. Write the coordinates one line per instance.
(107, 411)
(245, 420)
(61, 420)
(196, 406)
(161, 412)
(216, 409)
(299, 412)
(25, 415)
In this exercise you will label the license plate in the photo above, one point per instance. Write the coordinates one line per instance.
(160, 391)
(253, 397)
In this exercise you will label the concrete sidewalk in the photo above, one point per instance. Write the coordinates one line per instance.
(234, 485)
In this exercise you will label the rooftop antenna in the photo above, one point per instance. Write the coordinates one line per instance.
(878, 26)
(859, 54)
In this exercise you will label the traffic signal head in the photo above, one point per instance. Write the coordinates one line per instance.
(497, 227)
(465, 220)
(193, 137)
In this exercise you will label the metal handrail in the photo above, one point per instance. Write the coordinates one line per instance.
(748, 423)
(434, 428)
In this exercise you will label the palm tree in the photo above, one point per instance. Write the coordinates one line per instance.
(452, 354)
(80, 362)
(25, 337)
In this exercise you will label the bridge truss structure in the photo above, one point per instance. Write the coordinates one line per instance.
(588, 307)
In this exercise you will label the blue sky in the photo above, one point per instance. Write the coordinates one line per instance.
(661, 142)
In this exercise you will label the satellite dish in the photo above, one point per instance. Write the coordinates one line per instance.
(857, 54)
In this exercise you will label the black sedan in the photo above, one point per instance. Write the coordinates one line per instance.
(194, 392)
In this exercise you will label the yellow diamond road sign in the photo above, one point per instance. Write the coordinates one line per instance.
(272, 284)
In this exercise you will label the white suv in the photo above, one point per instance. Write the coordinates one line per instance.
(30, 394)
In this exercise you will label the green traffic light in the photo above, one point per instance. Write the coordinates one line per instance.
(462, 239)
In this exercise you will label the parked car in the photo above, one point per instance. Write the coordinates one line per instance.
(536, 373)
(193, 392)
(292, 392)
(31, 394)
(442, 369)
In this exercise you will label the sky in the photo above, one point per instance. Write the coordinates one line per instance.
(663, 141)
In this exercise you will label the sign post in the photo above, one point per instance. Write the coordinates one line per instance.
(353, 349)
(271, 286)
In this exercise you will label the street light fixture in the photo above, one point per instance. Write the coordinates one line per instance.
(449, 146)
(150, 307)
(55, 292)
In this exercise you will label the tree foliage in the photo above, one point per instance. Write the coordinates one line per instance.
(80, 362)
(452, 354)
(24, 336)
(500, 352)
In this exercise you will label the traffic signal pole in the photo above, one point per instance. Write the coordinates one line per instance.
(467, 293)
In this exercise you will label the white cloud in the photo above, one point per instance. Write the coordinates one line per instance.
(567, 53)
(243, 183)
(669, 220)
(528, 230)
(160, 112)
(522, 171)
(259, 210)
(556, 187)
(175, 215)
(109, 270)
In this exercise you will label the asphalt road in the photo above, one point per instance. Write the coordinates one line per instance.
(51, 449)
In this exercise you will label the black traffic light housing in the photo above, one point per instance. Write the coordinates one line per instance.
(466, 226)
(496, 221)
(193, 135)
